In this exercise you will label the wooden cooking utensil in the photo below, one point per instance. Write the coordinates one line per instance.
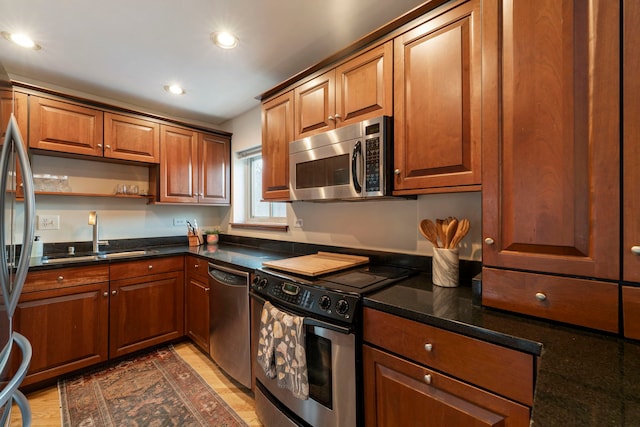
(463, 229)
(451, 231)
(428, 230)
(440, 231)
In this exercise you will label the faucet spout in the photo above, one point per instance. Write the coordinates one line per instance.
(93, 220)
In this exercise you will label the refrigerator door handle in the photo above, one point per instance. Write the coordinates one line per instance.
(11, 289)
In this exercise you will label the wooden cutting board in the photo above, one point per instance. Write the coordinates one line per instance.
(317, 264)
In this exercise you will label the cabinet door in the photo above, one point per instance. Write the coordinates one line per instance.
(631, 134)
(364, 86)
(438, 103)
(551, 191)
(131, 138)
(64, 127)
(16, 103)
(277, 133)
(398, 393)
(315, 106)
(145, 311)
(68, 329)
(178, 165)
(215, 170)
(197, 311)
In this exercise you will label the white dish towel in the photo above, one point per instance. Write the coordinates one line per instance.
(281, 350)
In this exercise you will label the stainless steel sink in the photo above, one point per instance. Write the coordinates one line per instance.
(71, 259)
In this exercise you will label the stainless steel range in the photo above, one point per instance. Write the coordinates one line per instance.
(331, 307)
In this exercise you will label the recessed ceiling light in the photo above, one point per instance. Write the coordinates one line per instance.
(174, 89)
(224, 40)
(21, 40)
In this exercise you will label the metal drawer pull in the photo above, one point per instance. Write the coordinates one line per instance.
(489, 241)
(635, 250)
(428, 347)
(150, 267)
(196, 266)
(540, 296)
(106, 294)
(60, 278)
(427, 378)
(114, 292)
(207, 289)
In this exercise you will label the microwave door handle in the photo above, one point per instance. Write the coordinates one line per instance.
(354, 166)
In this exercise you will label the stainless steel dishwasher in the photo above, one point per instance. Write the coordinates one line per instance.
(230, 345)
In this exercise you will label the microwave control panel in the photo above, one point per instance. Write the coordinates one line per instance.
(373, 171)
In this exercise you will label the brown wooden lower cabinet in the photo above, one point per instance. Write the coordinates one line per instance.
(197, 293)
(145, 311)
(68, 327)
(401, 393)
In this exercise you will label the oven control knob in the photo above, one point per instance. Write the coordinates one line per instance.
(342, 306)
(256, 280)
(325, 302)
(260, 283)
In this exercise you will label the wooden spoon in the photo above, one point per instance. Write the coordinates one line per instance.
(440, 231)
(463, 229)
(451, 231)
(428, 230)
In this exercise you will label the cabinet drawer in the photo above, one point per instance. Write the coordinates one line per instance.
(580, 302)
(145, 267)
(65, 277)
(197, 266)
(499, 369)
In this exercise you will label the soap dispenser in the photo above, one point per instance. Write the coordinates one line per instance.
(36, 249)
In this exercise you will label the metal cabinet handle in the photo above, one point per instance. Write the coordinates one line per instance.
(331, 118)
(60, 278)
(540, 296)
(114, 292)
(635, 250)
(196, 266)
(150, 266)
(489, 241)
(99, 145)
(427, 378)
(337, 116)
(106, 294)
(396, 171)
(428, 347)
(108, 147)
(207, 289)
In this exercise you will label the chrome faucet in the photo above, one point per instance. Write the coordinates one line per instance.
(93, 220)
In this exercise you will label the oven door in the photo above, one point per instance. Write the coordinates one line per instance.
(325, 172)
(331, 365)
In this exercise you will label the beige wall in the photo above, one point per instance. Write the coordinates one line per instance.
(378, 225)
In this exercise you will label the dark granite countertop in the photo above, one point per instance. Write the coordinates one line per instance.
(584, 378)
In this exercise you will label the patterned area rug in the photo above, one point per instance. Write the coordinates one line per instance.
(156, 389)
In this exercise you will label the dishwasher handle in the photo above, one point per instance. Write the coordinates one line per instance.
(228, 276)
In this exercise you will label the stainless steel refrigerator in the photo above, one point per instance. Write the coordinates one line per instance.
(17, 223)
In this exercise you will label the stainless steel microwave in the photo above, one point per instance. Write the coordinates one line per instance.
(348, 163)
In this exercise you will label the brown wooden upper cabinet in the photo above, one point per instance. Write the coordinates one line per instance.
(358, 89)
(131, 138)
(551, 138)
(194, 167)
(78, 129)
(65, 127)
(277, 133)
(438, 103)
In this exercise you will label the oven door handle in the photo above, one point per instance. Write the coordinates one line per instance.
(309, 321)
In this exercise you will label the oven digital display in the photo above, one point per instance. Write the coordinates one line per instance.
(290, 288)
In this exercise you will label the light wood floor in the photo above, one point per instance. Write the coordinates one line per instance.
(45, 403)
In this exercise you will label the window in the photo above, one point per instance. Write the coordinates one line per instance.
(257, 209)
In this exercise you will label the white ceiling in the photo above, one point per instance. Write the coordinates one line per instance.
(127, 50)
